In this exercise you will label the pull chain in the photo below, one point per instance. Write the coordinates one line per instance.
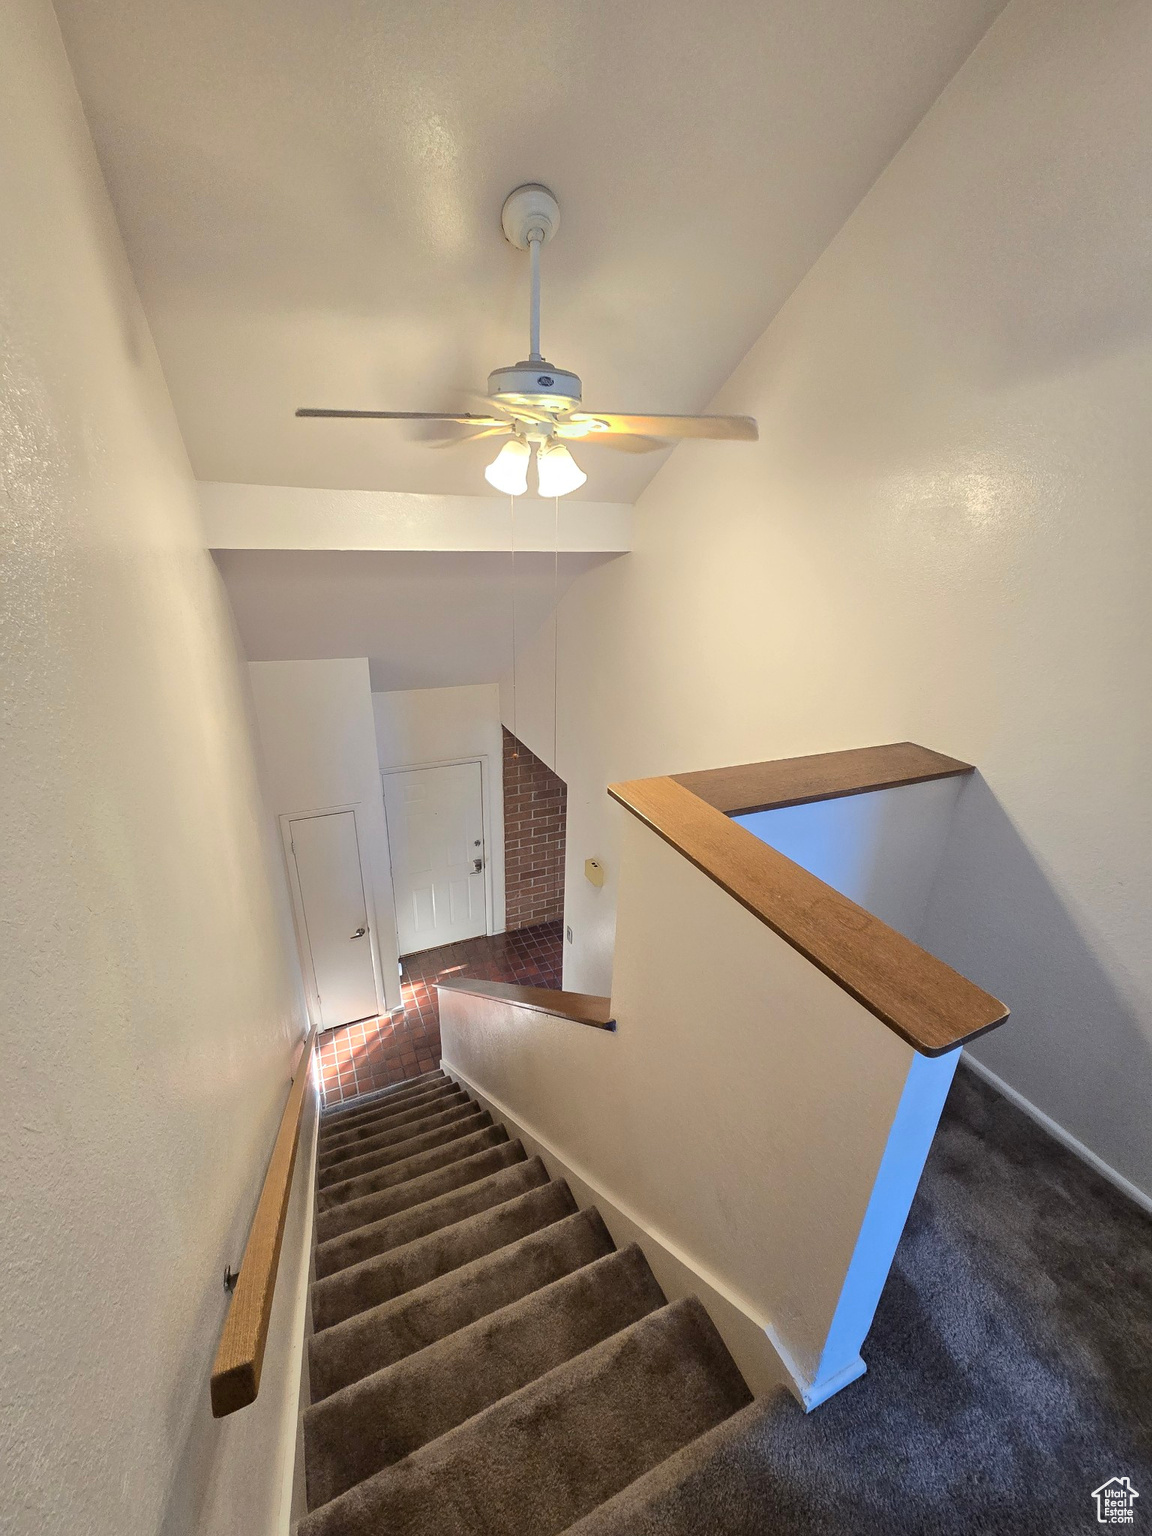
(555, 634)
(515, 735)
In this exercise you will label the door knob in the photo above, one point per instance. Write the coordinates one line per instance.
(477, 865)
(360, 932)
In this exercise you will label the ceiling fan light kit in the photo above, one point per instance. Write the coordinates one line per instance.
(537, 404)
(508, 471)
(557, 472)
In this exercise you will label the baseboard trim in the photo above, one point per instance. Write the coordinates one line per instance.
(821, 1391)
(1057, 1131)
(752, 1341)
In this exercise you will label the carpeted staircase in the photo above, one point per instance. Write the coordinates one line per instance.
(485, 1361)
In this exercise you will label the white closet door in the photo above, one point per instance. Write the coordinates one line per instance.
(327, 855)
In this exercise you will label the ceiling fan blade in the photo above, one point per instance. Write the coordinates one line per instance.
(622, 442)
(472, 437)
(728, 428)
(465, 420)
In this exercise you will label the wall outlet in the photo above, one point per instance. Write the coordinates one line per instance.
(568, 933)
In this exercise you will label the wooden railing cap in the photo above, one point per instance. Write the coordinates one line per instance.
(579, 1007)
(918, 996)
(769, 786)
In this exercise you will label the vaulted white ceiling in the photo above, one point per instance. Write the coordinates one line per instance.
(310, 196)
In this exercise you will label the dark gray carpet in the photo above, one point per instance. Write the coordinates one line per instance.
(1010, 1369)
(485, 1364)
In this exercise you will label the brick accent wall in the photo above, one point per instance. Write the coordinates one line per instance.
(535, 808)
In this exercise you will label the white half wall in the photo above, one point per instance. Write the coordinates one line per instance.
(942, 536)
(151, 997)
(318, 746)
(756, 1129)
(417, 727)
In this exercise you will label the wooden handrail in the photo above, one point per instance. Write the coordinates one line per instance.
(924, 1001)
(240, 1357)
(579, 1007)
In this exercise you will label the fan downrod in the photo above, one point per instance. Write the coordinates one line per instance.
(529, 218)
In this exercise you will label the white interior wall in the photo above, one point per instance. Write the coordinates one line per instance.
(419, 726)
(151, 999)
(318, 747)
(942, 536)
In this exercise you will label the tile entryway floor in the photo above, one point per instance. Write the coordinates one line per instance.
(360, 1058)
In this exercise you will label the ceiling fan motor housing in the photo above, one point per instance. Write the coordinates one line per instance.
(535, 384)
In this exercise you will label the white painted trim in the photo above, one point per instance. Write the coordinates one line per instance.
(240, 516)
(368, 885)
(494, 894)
(1057, 1131)
(821, 1391)
(751, 1339)
(300, 1315)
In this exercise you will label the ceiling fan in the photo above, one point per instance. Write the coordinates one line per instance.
(537, 406)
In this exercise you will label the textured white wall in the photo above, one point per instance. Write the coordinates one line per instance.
(417, 726)
(318, 748)
(149, 990)
(943, 535)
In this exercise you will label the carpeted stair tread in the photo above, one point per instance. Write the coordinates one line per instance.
(382, 1231)
(355, 1110)
(403, 1127)
(704, 1487)
(393, 1412)
(541, 1458)
(372, 1121)
(381, 1095)
(342, 1207)
(379, 1112)
(395, 1329)
(399, 1151)
(465, 1225)
(351, 1141)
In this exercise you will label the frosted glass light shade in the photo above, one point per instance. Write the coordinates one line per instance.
(508, 471)
(557, 470)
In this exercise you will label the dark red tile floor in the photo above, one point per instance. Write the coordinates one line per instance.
(360, 1058)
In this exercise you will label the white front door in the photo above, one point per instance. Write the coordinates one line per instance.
(436, 837)
(327, 856)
